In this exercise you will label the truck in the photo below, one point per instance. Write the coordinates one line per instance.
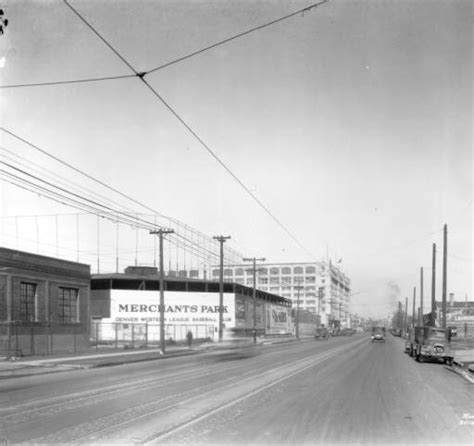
(433, 344)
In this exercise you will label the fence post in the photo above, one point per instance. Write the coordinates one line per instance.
(32, 340)
(116, 335)
(146, 334)
(74, 339)
(16, 340)
(133, 335)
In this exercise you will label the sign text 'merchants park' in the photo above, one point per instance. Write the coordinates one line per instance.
(142, 308)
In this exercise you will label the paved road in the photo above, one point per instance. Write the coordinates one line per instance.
(345, 390)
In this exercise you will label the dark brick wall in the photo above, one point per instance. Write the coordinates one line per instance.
(49, 274)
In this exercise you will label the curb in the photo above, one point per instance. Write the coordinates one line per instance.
(469, 377)
(68, 366)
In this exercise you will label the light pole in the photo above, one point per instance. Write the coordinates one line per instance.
(254, 262)
(297, 318)
(161, 233)
(221, 239)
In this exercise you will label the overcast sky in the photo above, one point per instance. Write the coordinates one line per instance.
(352, 123)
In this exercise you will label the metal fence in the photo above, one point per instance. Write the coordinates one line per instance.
(142, 335)
(23, 339)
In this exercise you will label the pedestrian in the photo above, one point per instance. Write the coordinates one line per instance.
(189, 338)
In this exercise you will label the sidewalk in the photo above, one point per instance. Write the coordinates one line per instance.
(10, 368)
(463, 364)
(28, 366)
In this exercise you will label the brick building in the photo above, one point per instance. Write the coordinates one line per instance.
(44, 304)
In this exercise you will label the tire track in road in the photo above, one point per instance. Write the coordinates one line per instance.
(185, 410)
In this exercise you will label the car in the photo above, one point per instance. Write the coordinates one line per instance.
(321, 333)
(378, 334)
(235, 344)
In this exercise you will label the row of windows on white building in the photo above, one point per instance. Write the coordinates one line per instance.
(273, 271)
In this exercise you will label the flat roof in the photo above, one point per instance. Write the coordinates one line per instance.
(123, 281)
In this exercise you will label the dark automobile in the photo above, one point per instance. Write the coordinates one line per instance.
(321, 333)
(378, 334)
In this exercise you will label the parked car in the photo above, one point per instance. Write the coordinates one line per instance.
(433, 344)
(321, 333)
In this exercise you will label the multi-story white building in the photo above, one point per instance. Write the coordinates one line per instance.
(321, 288)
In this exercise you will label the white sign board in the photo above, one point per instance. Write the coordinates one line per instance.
(181, 307)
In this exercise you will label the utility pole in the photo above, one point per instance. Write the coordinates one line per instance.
(405, 328)
(433, 285)
(445, 261)
(422, 320)
(254, 262)
(221, 239)
(297, 318)
(161, 233)
(414, 308)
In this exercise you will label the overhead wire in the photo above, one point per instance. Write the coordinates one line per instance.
(167, 64)
(44, 152)
(68, 82)
(193, 133)
(92, 206)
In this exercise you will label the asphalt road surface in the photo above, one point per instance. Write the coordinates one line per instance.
(345, 390)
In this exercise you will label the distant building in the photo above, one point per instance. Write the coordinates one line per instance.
(459, 315)
(318, 287)
(44, 304)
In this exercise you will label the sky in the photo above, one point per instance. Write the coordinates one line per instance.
(350, 122)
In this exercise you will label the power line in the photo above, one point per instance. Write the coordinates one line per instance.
(159, 67)
(193, 133)
(230, 39)
(67, 82)
(44, 152)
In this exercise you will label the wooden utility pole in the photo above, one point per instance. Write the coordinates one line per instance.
(413, 322)
(422, 321)
(445, 264)
(161, 233)
(405, 325)
(254, 263)
(433, 284)
(297, 318)
(221, 239)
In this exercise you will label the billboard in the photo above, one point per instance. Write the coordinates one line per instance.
(278, 319)
(181, 307)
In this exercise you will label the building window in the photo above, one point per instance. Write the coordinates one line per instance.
(228, 272)
(274, 280)
(215, 273)
(239, 272)
(262, 271)
(274, 271)
(68, 305)
(263, 280)
(286, 270)
(310, 270)
(249, 282)
(286, 280)
(27, 302)
(298, 270)
(311, 279)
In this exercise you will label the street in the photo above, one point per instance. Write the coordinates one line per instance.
(345, 390)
